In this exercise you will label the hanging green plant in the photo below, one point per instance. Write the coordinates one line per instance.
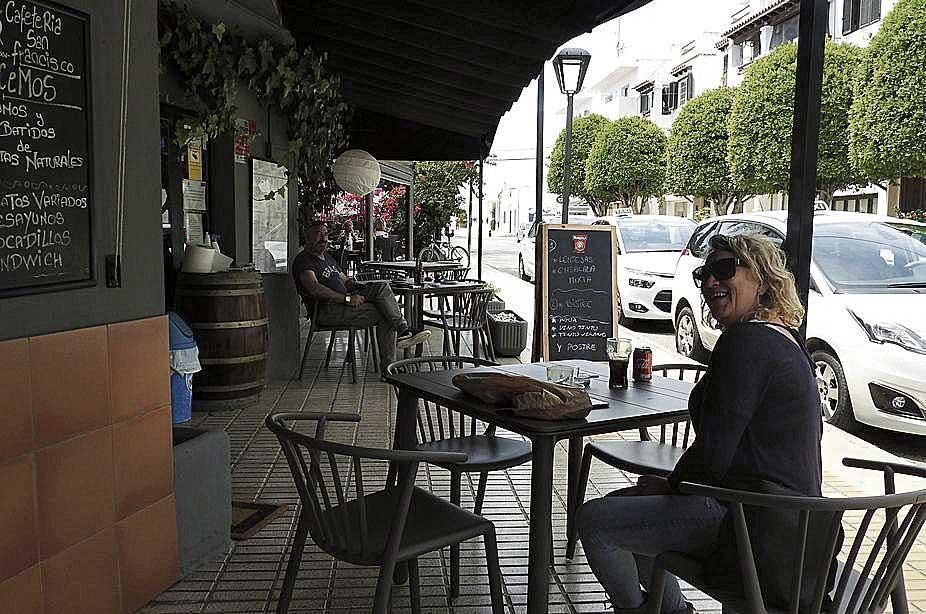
(213, 63)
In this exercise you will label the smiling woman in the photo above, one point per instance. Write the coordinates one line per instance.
(744, 278)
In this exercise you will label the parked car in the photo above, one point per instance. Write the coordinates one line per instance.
(865, 327)
(649, 246)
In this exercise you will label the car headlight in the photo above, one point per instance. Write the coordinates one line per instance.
(891, 332)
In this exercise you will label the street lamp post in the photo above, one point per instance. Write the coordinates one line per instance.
(570, 66)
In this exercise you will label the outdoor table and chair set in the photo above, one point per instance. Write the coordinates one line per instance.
(379, 517)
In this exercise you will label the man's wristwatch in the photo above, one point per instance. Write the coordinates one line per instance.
(347, 298)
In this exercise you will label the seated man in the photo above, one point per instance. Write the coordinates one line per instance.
(343, 301)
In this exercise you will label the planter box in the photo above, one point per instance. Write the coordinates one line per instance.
(508, 338)
(496, 305)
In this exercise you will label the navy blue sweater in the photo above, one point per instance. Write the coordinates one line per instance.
(756, 415)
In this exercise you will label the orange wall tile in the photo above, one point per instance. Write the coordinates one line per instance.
(83, 578)
(85, 441)
(75, 490)
(70, 383)
(22, 594)
(143, 461)
(139, 366)
(16, 401)
(19, 547)
(148, 562)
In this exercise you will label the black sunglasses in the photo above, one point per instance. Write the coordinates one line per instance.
(721, 269)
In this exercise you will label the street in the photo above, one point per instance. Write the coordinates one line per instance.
(501, 253)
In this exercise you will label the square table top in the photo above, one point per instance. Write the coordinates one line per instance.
(409, 265)
(660, 401)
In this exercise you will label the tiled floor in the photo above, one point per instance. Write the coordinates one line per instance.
(249, 577)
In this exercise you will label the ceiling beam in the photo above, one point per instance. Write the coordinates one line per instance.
(364, 91)
(387, 11)
(365, 47)
(427, 41)
(543, 22)
(454, 97)
(433, 116)
(406, 70)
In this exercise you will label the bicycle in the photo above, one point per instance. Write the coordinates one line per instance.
(439, 251)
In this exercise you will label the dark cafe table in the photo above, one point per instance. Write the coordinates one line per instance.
(416, 293)
(408, 266)
(660, 401)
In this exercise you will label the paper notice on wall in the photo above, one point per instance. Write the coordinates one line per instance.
(245, 129)
(193, 225)
(194, 195)
(194, 158)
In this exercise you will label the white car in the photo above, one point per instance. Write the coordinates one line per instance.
(649, 247)
(865, 326)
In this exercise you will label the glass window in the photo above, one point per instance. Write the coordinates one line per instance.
(269, 208)
(651, 235)
(861, 257)
(734, 228)
(699, 238)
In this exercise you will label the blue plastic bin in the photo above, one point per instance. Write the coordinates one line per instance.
(181, 396)
(181, 384)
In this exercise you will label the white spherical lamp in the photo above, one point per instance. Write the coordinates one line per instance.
(357, 172)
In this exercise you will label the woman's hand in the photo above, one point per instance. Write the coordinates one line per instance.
(646, 485)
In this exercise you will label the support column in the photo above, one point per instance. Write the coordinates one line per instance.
(482, 156)
(538, 218)
(410, 218)
(368, 205)
(805, 137)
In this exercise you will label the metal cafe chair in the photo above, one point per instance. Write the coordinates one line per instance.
(468, 312)
(379, 528)
(649, 455)
(315, 326)
(870, 573)
(441, 429)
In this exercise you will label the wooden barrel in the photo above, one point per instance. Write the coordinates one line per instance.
(228, 315)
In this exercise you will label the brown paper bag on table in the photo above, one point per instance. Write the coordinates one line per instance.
(526, 396)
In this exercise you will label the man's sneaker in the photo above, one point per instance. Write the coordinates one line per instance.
(409, 339)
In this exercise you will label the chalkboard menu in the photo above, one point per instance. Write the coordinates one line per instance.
(45, 147)
(579, 291)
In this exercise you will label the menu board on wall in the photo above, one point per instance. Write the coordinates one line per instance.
(45, 147)
(579, 291)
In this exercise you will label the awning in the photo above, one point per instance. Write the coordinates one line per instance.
(397, 171)
(431, 79)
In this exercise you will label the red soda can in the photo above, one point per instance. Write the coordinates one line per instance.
(642, 364)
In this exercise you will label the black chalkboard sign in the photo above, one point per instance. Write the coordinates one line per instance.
(579, 291)
(45, 147)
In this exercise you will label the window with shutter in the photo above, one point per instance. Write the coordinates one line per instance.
(846, 16)
(864, 13)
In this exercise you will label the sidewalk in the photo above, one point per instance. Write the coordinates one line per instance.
(248, 578)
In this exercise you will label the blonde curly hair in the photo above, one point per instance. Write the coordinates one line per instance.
(766, 263)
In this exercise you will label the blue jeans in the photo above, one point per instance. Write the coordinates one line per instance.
(621, 535)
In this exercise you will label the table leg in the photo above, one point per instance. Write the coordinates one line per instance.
(541, 537)
(572, 494)
(419, 321)
(403, 439)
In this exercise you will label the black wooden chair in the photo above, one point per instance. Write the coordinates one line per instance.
(654, 454)
(465, 312)
(311, 308)
(868, 575)
(375, 529)
(441, 429)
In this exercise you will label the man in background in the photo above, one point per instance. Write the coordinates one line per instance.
(343, 301)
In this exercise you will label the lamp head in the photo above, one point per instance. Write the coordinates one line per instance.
(570, 66)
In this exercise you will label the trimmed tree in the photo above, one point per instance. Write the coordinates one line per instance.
(627, 162)
(759, 148)
(584, 131)
(437, 198)
(888, 116)
(697, 152)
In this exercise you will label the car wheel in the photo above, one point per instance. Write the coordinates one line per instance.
(835, 404)
(521, 272)
(687, 338)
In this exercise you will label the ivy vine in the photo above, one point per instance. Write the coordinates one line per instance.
(213, 62)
